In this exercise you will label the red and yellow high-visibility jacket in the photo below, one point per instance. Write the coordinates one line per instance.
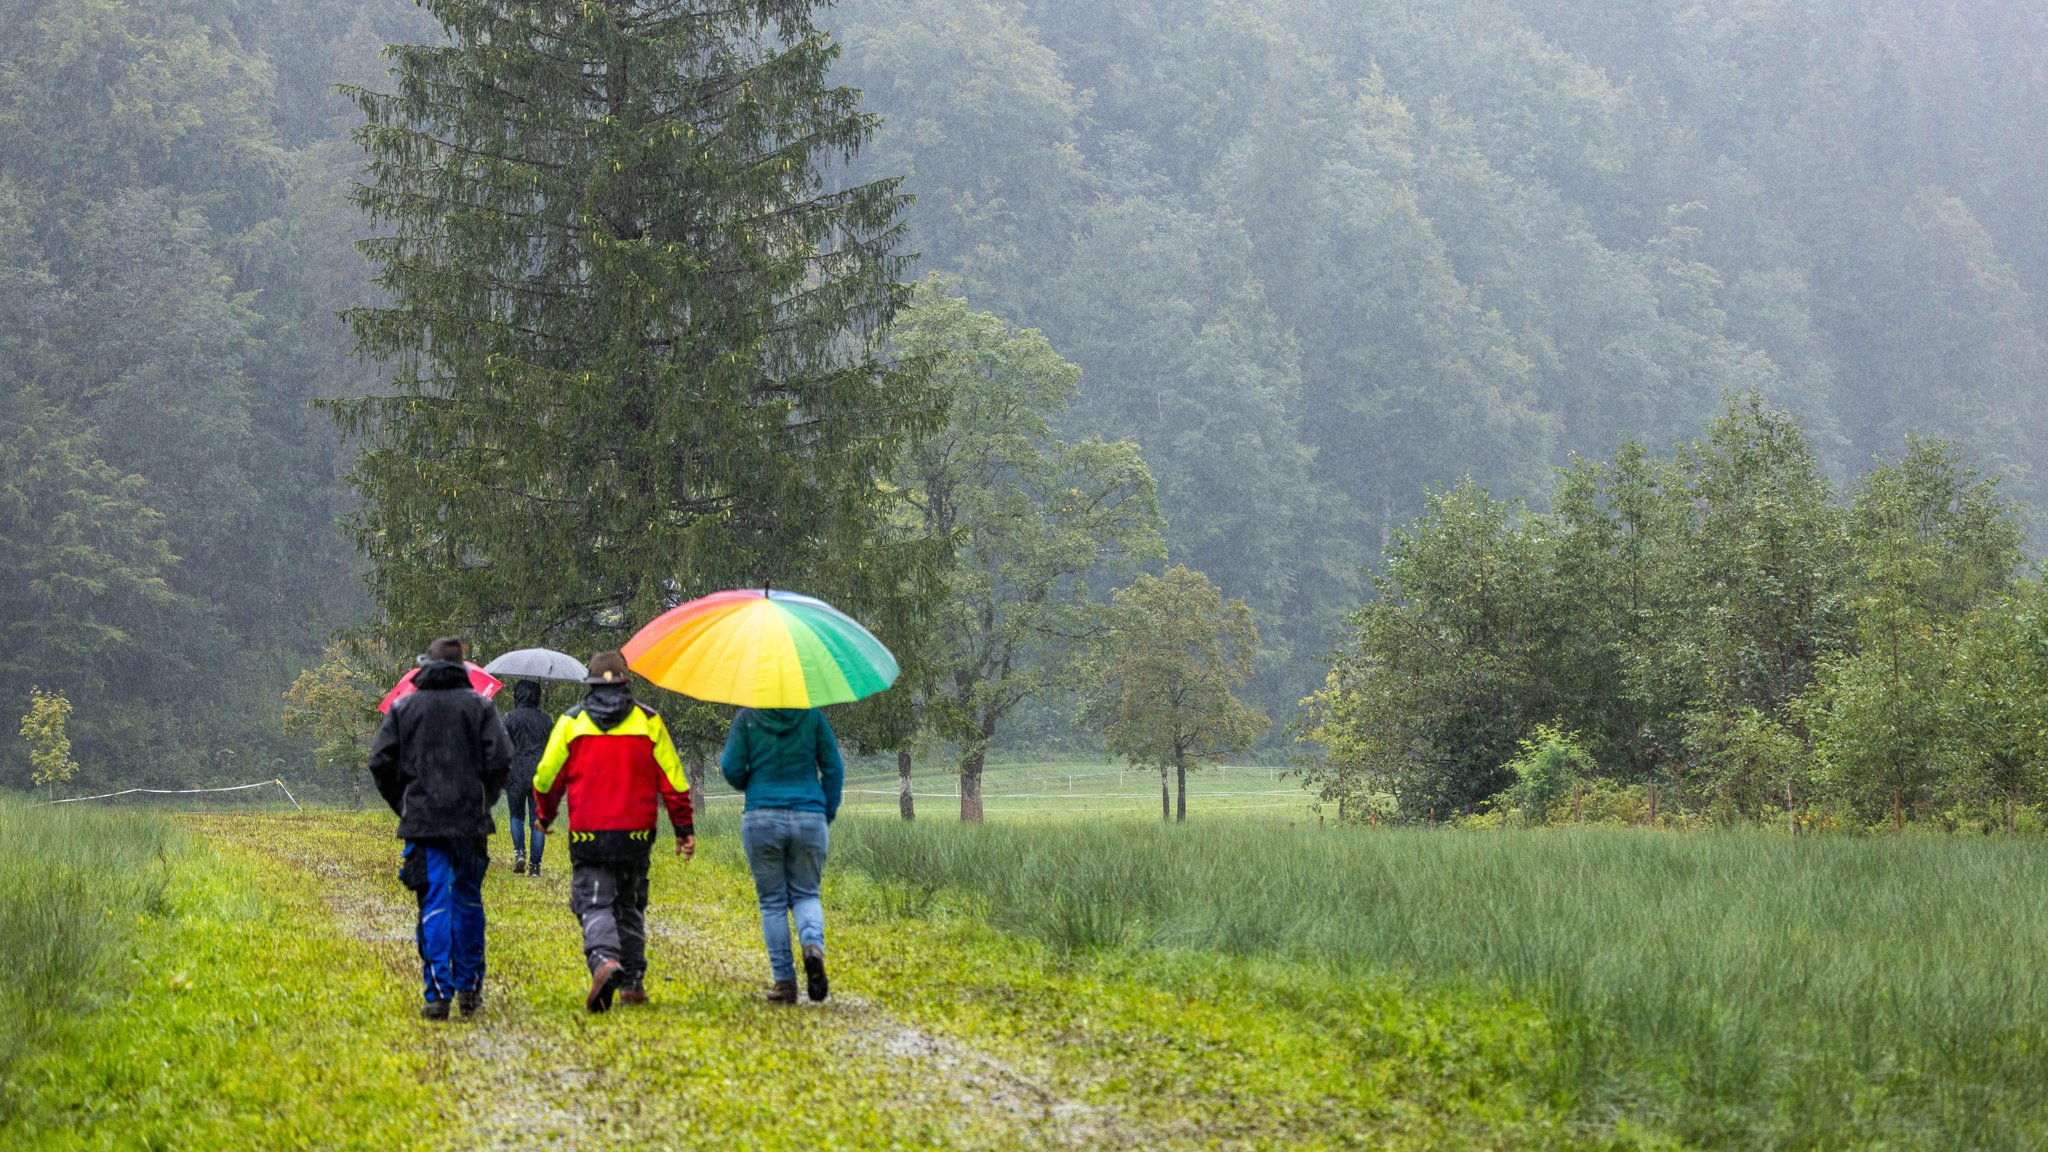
(612, 779)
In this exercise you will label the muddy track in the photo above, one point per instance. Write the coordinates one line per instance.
(520, 1086)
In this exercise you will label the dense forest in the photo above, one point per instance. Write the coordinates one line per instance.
(1315, 257)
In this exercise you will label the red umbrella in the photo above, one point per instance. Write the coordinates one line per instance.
(479, 679)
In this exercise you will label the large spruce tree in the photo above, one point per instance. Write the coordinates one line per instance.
(632, 323)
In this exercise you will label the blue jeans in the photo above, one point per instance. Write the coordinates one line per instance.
(786, 852)
(518, 806)
(447, 876)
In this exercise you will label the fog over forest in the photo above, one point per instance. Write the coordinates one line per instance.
(1315, 256)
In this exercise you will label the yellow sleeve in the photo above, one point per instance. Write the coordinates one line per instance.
(665, 755)
(551, 761)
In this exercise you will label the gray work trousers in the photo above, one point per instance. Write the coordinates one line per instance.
(610, 898)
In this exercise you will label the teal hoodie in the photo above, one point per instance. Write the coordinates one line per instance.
(784, 758)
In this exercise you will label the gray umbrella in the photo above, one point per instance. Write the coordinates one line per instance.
(537, 664)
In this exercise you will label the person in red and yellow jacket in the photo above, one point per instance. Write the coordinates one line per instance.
(612, 758)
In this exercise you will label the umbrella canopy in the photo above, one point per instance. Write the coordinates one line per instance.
(761, 649)
(538, 664)
(479, 679)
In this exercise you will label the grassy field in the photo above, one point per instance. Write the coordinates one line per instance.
(267, 1001)
(1061, 790)
(71, 882)
(1738, 990)
(248, 982)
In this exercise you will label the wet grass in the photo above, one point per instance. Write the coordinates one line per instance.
(72, 884)
(1739, 990)
(270, 1004)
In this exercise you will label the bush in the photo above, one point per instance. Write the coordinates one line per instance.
(1551, 761)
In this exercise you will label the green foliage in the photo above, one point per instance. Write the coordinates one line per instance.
(634, 332)
(153, 374)
(334, 705)
(1547, 766)
(1439, 680)
(83, 567)
(1997, 704)
(1315, 258)
(49, 747)
(1163, 691)
(1717, 626)
(1931, 543)
(1030, 523)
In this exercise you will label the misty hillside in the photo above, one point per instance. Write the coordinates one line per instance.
(1315, 255)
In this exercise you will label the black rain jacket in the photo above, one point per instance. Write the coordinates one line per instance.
(529, 728)
(441, 757)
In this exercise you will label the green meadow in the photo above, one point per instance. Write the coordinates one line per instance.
(246, 980)
(1066, 789)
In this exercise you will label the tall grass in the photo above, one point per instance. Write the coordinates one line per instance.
(1739, 990)
(71, 882)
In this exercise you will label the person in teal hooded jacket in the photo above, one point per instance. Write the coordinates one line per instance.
(787, 762)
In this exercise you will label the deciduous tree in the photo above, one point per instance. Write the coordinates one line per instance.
(1032, 523)
(1163, 693)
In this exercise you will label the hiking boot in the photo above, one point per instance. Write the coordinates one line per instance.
(632, 995)
(784, 992)
(604, 982)
(814, 972)
(434, 1010)
(533, 869)
(519, 866)
(468, 1000)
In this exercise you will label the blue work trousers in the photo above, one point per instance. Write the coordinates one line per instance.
(447, 877)
(785, 850)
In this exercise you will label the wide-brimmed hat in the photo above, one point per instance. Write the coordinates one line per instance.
(607, 668)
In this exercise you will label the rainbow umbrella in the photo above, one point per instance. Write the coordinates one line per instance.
(761, 649)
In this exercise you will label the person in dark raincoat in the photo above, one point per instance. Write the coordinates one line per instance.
(529, 728)
(440, 760)
(611, 757)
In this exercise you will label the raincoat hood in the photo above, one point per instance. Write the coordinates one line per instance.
(526, 694)
(608, 704)
(779, 721)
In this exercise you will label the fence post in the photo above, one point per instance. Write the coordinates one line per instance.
(1575, 801)
(1791, 816)
(1653, 805)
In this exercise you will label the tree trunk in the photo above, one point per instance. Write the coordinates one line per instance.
(905, 802)
(694, 768)
(2008, 813)
(1653, 805)
(970, 785)
(1165, 800)
(1898, 811)
(1180, 808)
(1576, 796)
(1791, 814)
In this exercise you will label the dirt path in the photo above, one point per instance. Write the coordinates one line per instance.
(534, 1072)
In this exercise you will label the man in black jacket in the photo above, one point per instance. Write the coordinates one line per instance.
(440, 760)
(529, 728)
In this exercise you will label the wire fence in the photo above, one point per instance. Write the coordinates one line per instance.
(278, 784)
